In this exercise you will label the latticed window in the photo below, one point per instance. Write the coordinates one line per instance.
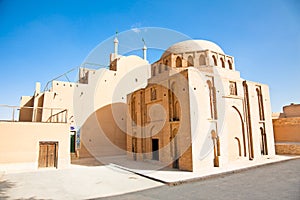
(232, 88)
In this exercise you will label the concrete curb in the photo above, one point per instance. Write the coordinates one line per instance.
(222, 174)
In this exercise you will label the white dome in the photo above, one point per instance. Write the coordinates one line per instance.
(193, 45)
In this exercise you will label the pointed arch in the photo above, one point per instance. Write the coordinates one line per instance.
(222, 62)
(243, 130)
(215, 60)
(133, 111)
(202, 60)
(178, 62)
(166, 64)
(190, 61)
(260, 104)
(229, 64)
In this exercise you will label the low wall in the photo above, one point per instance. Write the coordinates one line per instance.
(19, 143)
(286, 148)
(287, 129)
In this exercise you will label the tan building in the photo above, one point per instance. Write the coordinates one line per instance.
(197, 112)
(287, 130)
(39, 138)
(86, 118)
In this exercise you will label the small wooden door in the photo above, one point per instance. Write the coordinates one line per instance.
(48, 154)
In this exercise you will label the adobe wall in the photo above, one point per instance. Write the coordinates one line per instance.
(287, 135)
(287, 129)
(19, 144)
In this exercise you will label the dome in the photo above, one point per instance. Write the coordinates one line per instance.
(193, 45)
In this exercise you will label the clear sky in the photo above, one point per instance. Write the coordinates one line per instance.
(40, 40)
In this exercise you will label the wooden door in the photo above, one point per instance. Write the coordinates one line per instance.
(48, 154)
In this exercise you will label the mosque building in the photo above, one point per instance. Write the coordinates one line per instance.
(197, 112)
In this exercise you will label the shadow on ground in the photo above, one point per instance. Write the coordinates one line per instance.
(4, 186)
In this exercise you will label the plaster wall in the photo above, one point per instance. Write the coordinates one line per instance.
(19, 144)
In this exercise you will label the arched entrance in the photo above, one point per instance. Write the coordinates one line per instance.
(236, 135)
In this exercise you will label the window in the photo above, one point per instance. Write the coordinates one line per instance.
(260, 104)
(232, 88)
(166, 64)
(159, 68)
(133, 111)
(222, 62)
(229, 64)
(153, 94)
(153, 71)
(178, 62)
(215, 60)
(190, 61)
(202, 60)
(212, 100)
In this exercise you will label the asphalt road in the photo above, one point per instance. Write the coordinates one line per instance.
(277, 181)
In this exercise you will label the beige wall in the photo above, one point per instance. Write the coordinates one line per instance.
(287, 129)
(19, 143)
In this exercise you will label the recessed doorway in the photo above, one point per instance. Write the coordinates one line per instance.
(155, 148)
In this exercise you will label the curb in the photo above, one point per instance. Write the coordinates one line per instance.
(222, 174)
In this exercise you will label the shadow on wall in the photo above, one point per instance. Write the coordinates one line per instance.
(103, 133)
(4, 186)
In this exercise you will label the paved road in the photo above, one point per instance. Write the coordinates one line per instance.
(277, 181)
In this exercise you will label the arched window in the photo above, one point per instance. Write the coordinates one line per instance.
(229, 64)
(202, 60)
(222, 62)
(260, 104)
(174, 108)
(153, 71)
(166, 64)
(232, 88)
(133, 111)
(159, 68)
(215, 60)
(153, 94)
(190, 61)
(178, 62)
(212, 100)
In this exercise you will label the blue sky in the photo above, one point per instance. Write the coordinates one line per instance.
(40, 40)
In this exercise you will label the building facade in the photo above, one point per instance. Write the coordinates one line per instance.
(197, 112)
(287, 130)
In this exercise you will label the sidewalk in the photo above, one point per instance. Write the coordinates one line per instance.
(78, 182)
(174, 177)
